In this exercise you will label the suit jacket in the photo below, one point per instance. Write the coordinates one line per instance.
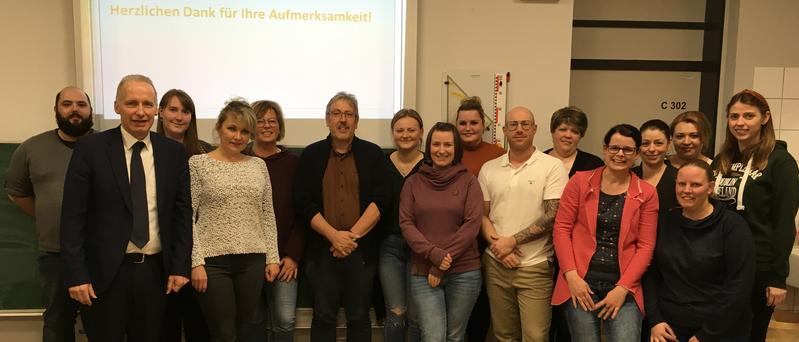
(574, 233)
(96, 216)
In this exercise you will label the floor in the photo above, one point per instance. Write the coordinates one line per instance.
(784, 327)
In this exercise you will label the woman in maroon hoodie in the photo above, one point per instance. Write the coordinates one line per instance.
(281, 294)
(441, 209)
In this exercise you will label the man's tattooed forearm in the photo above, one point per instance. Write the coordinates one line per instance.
(542, 226)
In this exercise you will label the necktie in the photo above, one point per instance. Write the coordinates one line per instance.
(138, 194)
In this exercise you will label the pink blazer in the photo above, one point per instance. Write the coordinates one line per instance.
(574, 233)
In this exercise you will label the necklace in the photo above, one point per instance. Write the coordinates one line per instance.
(404, 167)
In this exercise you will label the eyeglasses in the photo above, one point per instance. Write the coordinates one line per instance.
(614, 149)
(513, 125)
(337, 114)
(262, 122)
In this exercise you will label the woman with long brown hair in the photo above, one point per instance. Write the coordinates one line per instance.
(177, 120)
(759, 179)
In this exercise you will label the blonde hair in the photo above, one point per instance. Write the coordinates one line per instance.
(239, 110)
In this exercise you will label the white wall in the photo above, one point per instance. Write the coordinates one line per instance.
(531, 40)
(613, 97)
(760, 33)
(38, 60)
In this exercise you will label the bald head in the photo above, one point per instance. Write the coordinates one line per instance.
(520, 129)
(520, 113)
(73, 112)
(74, 93)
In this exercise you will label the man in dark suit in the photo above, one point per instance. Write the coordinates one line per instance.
(126, 221)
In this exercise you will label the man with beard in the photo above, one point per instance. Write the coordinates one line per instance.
(521, 192)
(35, 183)
(340, 192)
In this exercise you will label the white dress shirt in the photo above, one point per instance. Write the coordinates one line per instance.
(153, 246)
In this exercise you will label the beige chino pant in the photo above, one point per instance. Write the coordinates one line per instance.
(520, 300)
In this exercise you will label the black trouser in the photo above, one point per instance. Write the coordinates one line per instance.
(339, 282)
(480, 319)
(761, 313)
(233, 294)
(184, 317)
(559, 328)
(132, 306)
(60, 311)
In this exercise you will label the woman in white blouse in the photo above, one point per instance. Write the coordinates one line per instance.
(235, 240)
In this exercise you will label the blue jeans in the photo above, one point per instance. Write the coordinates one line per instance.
(60, 310)
(443, 311)
(584, 325)
(393, 269)
(278, 304)
(282, 299)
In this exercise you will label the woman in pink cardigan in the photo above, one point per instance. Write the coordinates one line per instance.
(604, 236)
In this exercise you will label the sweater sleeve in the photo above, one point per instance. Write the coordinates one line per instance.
(472, 220)
(295, 247)
(407, 220)
(295, 244)
(652, 279)
(565, 220)
(644, 245)
(739, 256)
(267, 220)
(786, 201)
(197, 252)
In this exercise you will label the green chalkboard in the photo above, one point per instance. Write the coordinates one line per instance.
(19, 276)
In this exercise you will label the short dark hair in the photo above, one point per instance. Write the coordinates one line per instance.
(569, 115)
(626, 130)
(657, 124)
(444, 127)
(58, 98)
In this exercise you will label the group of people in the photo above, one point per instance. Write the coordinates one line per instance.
(161, 236)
